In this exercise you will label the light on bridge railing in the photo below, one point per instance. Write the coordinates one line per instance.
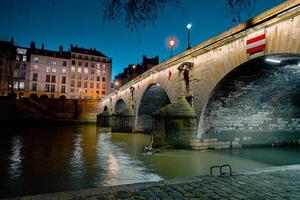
(273, 60)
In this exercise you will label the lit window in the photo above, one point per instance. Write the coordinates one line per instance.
(98, 65)
(79, 69)
(73, 69)
(35, 67)
(103, 67)
(54, 62)
(53, 70)
(17, 57)
(24, 58)
(98, 72)
(48, 69)
(86, 70)
(64, 70)
(36, 59)
(22, 85)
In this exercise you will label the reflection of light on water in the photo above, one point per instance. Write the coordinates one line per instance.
(16, 158)
(76, 160)
(112, 169)
(117, 166)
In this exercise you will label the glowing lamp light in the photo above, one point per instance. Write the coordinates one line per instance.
(299, 64)
(172, 42)
(117, 83)
(273, 60)
(133, 66)
(189, 26)
(157, 84)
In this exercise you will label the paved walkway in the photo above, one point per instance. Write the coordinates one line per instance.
(269, 183)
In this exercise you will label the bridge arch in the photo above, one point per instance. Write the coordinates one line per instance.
(152, 99)
(120, 105)
(256, 98)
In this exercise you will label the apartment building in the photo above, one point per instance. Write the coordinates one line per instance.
(41, 73)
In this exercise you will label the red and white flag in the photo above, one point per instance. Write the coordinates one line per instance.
(256, 42)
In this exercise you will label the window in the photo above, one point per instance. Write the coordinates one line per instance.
(36, 59)
(86, 70)
(47, 78)
(72, 75)
(86, 64)
(22, 85)
(17, 65)
(79, 69)
(78, 84)
(54, 63)
(103, 79)
(48, 69)
(98, 78)
(35, 76)
(98, 65)
(72, 83)
(86, 76)
(92, 65)
(17, 57)
(103, 86)
(64, 63)
(103, 67)
(92, 77)
(72, 69)
(91, 85)
(103, 92)
(53, 70)
(63, 79)
(98, 85)
(98, 72)
(52, 88)
(79, 63)
(23, 66)
(86, 57)
(92, 70)
(24, 58)
(63, 89)
(47, 88)
(22, 75)
(35, 67)
(72, 90)
(73, 62)
(53, 79)
(85, 84)
(79, 75)
(80, 56)
(33, 87)
(64, 70)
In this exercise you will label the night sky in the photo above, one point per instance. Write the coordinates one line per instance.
(80, 22)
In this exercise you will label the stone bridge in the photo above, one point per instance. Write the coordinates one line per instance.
(239, 88)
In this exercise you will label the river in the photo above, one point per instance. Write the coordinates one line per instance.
(45, 160)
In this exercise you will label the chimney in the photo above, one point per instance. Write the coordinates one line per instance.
(12, 41)
(71, 46)
(61, 48)
(32, 45)
(76, 46)
(43, 46)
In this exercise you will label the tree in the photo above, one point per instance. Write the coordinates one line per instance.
(8, 57)
(136, 13)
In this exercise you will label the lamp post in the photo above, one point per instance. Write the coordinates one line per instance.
(189, 27)
(171, 45)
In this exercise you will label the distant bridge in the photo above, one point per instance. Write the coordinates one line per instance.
(243, 85)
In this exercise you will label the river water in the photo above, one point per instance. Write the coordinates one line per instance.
(44, 160)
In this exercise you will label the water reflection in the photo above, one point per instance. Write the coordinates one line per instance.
(15, 158)
(46, 160)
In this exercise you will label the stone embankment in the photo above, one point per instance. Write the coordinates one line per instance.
(269, 183)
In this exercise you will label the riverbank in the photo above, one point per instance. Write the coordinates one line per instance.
(267, 183)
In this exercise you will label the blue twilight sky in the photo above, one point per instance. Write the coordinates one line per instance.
(80, 22)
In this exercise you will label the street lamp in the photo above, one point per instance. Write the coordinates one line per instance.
(171, 45)
(117, 84)
(189, 27)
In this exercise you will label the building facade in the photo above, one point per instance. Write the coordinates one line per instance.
(78, 73)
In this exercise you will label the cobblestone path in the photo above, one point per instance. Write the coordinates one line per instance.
(270, 183)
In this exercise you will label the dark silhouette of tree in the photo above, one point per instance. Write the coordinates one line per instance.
(8, 57)
(137, 13)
